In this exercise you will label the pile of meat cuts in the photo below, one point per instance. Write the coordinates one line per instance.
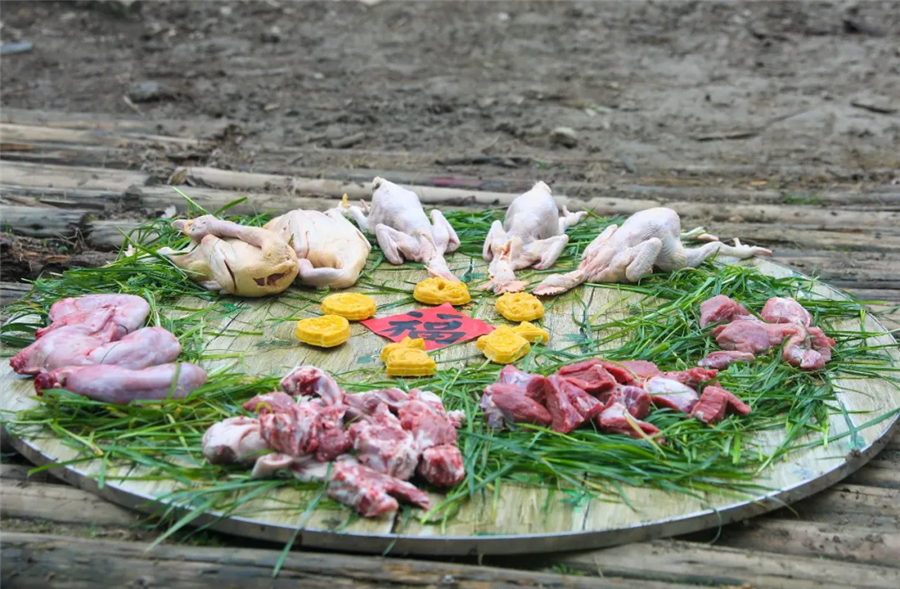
(784, 320)
(95, 347)
(615, 396)
(391, 436)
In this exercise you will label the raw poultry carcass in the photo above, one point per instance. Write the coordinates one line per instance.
(234, 259)
(331, 252)
(129, 311)
(120, 386)
(532, 234)
(397, 219)
(149, 346)
(646, 240)
(67, 345)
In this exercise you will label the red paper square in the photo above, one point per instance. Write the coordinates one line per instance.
(439, 326)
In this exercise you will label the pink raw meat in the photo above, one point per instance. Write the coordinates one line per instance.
(720, 360)
(89, 322)
(569, 406)
(665, 392)
(425, 417)
(785, 310)
(148, 346)
(310, 381)
(809, 349)
(752, 336)
(61, 348)
(504, 402)
(274, 402)
(365, 403)
(721, 308)
(532, 383)
(266, 465)
(307, 427)
(236, 439)
(369, 492)
(120, 386)
(130, 311)
(442, 466)
(589, 376)
(692, 377)
(714, 402)
(383, 444)
(635, 399)
(615, 420)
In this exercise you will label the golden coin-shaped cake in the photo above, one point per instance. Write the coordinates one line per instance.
(532, 333)
(503, 345)
(350, 305)
(437, 291)
(520, 306)
(326, 331)
(407, 342)
(409, 362)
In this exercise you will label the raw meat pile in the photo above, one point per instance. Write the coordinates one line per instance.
(784, 320)
(614, 395)
(94, 347)
(393, 435)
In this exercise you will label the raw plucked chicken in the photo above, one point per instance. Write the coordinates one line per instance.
(403, 231)
(532, 234)
(234, 259)
(331, 252)
(129, 311)
(646, 240)
(120, 386)
(67, 345)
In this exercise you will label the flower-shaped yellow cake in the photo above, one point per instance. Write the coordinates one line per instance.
(520, 306)
(350, 305)
(409, 362)
(503, 345)
(407, 342)
(437, 291)
(532, 333)
(326, 331)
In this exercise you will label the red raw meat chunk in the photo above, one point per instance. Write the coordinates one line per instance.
(809, 349)
(615, 420)
(442, 466)
(532, 383)
(785, 310)
(692, 377)
(635, 399)
(720, 360)
(504, 402)
(589, 376)
(619, 372)
(369, 492)
(665, 392)
(714, 402)
(366, 403)
(425, 417)
(382, 444)
(641, 369)
(311, 381)
(274, 402)
(721, 308)
(752, 336)
(569, 406)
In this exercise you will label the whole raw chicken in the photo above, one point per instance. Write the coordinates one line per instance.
(532, 234)
(404, 232)
(234, 259)
(331, 252)
(647, 239)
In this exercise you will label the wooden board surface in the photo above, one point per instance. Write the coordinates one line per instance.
(519, 521)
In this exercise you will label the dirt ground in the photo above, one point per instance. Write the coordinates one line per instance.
(641, 84)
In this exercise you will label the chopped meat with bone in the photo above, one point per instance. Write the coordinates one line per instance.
(369, 492)
(305, 428)
(616, 419)
(665, 392)
(425, 417)
(366, 403)
(308, 381)
(569, 406)
(720, 360)
(589, 376)
(236, 439)
(532, 383)
(442, 466)
(503, 402)
(721, 308)
(382, 444)
(714, 402)
(274, 402)
(785, 310)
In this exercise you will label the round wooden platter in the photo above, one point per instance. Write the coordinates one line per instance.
(522, 519)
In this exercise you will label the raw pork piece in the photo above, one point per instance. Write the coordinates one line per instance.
(425, 417)
(616, 419)
(304, 468)
(362, 404)
(692, 377)
(63, 347)
(635, 399)
(369, 492)
(383, 444)
(641, 369)
(442, 466)
(274, 402)
(266, 465)
(504, 402)
(714, 402)
(569, 406)
(129, 311)
(120, 386)
(665, 392)
(752, 336)
(149, 346)
(589, 376)
(307, 427)
(721, 308)
(720, 360)
(236, 439)
(532, 383)
(809, 349)
(309, 381)
(785, 310)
